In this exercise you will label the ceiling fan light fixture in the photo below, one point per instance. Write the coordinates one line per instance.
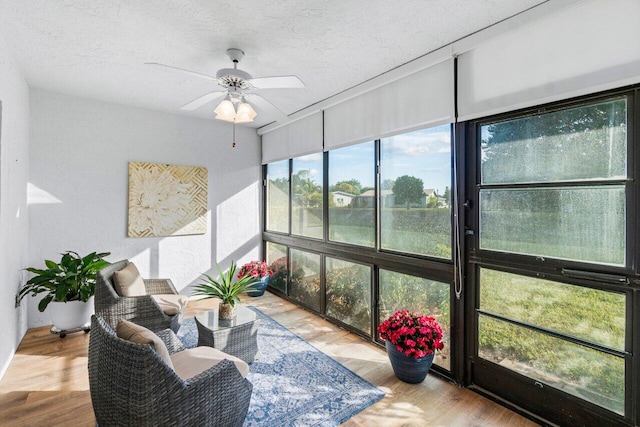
(245, 113)
(226, 111)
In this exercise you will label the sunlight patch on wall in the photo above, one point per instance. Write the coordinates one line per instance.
(238, 221)
(38, 196)
(142, 260)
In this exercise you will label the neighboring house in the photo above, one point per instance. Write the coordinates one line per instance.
(428, 192)
(366, 199)
(342, 199)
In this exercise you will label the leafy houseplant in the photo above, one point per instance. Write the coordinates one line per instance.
(225, 289)
(411, 341)
(72, 279)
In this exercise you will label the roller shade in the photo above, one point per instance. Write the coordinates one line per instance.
(304, 136)
(422, 99)
(590, 47)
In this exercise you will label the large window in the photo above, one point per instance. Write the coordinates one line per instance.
(306, 201)
(386, 200)
(279, 263)
(415, 192)
(552, 194)
(349, 293)
(352, 194)
(545, 307)
(305, 278)
(278, 196)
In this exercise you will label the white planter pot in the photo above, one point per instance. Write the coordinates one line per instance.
(70, 314)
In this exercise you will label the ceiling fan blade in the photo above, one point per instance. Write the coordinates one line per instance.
(204, 99)
(155, 64)
(278, 82)
(267, 107)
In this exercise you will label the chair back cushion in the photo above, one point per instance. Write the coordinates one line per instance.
(139, 334)
(128, 282)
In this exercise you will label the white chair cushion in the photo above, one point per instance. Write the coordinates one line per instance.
(171, 303)
(139, 334)
(191, 362)
(128, 282)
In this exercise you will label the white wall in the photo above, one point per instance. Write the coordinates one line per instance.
(79, 154)
(14, 226)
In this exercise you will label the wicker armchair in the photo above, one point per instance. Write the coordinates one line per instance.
(142, 310)
(131, 385)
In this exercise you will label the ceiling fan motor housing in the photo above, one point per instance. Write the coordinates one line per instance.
(233, 78)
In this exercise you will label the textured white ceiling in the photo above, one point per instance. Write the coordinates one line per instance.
(96, 48)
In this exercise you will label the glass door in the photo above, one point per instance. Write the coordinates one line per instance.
(550, 259)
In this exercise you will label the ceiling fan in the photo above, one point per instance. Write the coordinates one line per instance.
(238, 91)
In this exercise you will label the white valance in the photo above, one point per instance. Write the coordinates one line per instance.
(422, 99)
(586, 48)
(303, 136)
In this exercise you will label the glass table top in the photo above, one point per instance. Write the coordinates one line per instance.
(210, 318)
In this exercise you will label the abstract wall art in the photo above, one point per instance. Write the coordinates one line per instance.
(167, 200)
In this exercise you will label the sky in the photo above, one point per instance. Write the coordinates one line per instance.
(425, 154)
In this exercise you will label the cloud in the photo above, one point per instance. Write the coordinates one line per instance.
(422, 142)
(278, 169)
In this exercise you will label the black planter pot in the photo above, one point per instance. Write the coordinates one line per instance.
(407, 368)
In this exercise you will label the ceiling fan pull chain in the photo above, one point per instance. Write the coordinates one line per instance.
(234, 135)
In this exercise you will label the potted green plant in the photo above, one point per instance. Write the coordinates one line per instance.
(68, 287)
(226, 289)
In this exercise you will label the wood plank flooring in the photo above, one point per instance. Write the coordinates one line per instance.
(47, 382)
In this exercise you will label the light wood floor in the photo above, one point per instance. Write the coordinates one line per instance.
(47, 383)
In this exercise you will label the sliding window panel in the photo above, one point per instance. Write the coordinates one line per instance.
(352, 195)
(304, 284)
(306, 206)
(278, 196)
(400, 291)
(581, 143)
(349, 293)
(415, 192)
(278, 262)
(572, 223)
(588, 314)
(581, 371)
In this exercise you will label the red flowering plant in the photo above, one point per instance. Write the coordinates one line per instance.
(255, 269)
(412, 333)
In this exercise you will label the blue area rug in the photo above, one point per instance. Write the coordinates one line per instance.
(294, 383)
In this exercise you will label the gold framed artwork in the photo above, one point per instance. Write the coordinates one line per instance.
(167, 200)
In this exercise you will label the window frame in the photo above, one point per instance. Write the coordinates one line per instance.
(621, 279)
(423, 266)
